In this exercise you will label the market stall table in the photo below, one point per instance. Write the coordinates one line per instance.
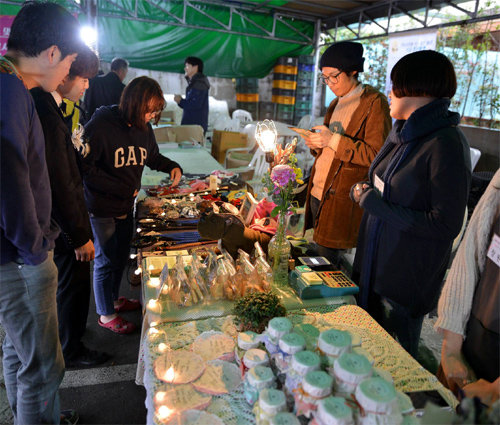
(196, 161)
(408, 375)
(169, 312)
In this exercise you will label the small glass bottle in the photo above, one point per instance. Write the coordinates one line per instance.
(279, 251)
(256, 379)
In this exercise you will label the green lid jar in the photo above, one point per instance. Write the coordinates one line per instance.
(334, 411)
(256, 379)
(292, 343)
(310, 334)
(278, 327)
(333, 342)
(378, 399)
(248, 340)
(260, 377)
(271, 402)
(285, 418)
(317, 384)
(255, 357)
(304, 362)
(350, 369)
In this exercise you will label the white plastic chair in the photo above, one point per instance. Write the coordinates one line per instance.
(475, 154)
(242, 117)
(249, 130)
(224, 123)
(258, 164)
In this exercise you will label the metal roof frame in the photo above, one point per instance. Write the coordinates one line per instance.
(233, 9)
(362, 16)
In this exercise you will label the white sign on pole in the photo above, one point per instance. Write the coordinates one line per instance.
(401, 45)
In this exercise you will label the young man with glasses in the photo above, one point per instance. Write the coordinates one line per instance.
(74, 247)
(43, 43)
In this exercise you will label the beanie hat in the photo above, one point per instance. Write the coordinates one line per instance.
(345, 56)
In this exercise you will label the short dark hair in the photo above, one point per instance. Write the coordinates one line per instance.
(40, 25)
(193, 60)
(424, 73)
(119, 63)
(85, 65)
(140, 96)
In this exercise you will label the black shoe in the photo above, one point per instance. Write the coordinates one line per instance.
(86, 358)
(69, 417)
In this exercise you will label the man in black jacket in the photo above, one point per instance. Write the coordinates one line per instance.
(107, 89)
(74, 247)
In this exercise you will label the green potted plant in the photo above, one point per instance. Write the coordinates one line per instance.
(253, 311)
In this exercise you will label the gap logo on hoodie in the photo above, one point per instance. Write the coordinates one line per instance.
(130, 156)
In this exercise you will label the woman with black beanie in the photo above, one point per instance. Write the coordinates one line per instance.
(355, 127)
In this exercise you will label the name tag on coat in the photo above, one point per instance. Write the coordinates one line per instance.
(379, 184)
(494, 250)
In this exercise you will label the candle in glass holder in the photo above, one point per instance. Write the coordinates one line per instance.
(169, 375)
(164, 413)
(154, 307)
(162, 347)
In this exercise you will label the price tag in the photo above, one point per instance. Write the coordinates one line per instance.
(379, 184)
(164, 274)
(494, 250)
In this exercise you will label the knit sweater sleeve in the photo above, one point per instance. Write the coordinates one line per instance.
(455, 303)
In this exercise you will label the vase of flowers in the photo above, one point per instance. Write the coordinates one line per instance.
(280, 183)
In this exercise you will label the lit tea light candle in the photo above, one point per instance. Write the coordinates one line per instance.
(163, 213)
(162, 347)
(132, 256)
(169, 375)
(154, 307)
(164, 413)
(138, 271)
(151, 267)
(139, 230)
(160, 396)
(154, 282)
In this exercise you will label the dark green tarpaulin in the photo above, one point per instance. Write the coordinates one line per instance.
(159, 37)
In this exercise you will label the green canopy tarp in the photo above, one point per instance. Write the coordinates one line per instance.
(160, 35)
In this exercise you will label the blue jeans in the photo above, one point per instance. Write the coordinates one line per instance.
(112, 248)
(33, 364)
(397, 320)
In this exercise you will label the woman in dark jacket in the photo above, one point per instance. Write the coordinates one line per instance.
(415, 200)
(355, 127)
(121, 142)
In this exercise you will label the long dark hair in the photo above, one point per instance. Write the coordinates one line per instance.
(142, 95)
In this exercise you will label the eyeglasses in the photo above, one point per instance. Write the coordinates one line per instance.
(154, 113)
(330, 78)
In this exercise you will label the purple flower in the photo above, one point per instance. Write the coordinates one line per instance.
(282, 175)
